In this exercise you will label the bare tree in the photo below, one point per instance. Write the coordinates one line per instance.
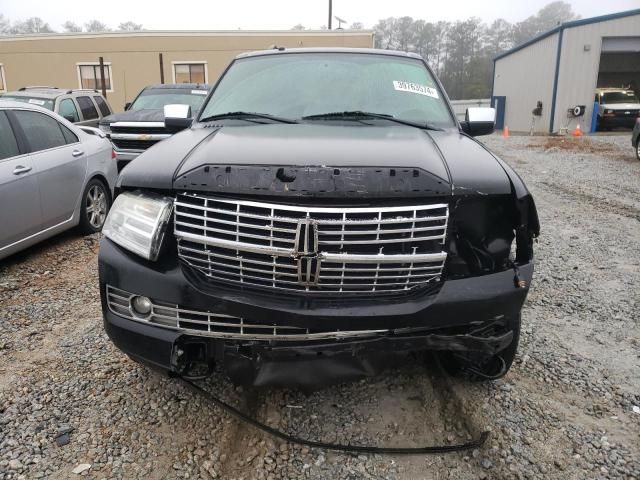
(386, 33)
(130, 26)
(5, 25)
(96, 26)
(547, 17)
(70, 26)
(31, 25)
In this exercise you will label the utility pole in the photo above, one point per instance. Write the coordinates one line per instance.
(104, 86)
(330, 13)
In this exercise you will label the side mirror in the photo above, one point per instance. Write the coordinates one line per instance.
(70, 118)
(177, 116)
(479, 121)
(127, 106)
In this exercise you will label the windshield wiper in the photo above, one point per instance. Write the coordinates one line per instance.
(247, 115)
(358, 114)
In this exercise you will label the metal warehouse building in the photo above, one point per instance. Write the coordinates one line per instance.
(135, 59)
(562, 68)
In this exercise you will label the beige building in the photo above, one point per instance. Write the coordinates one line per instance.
(136, 59)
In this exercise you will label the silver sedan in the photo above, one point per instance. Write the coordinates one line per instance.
(53, 176)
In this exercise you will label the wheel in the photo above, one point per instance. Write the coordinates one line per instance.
(638, 147)
(478, 368)
(95, 205)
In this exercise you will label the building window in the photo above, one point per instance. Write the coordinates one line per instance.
(190, 72)
(89, 76)
(3, 85)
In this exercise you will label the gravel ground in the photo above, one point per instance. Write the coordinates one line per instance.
(69, 401)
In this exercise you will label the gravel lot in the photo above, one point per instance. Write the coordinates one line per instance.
(565, 411)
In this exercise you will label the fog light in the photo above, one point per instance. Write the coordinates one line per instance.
(141, 306)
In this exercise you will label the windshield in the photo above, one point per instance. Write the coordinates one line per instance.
(41, 102)
(157, 98)
(303, 84)
(627, 96)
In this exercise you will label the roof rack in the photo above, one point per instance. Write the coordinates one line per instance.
(36, 87)
(83, 90)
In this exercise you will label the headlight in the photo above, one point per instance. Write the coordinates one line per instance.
(105, 127)
(138, 221)
(608, 111)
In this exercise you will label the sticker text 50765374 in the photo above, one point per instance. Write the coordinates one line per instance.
(415, 88)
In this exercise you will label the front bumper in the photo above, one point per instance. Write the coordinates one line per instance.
(627, 121)
(446, 319)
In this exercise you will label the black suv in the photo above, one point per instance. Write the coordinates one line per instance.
(324, 215)
(141, 125)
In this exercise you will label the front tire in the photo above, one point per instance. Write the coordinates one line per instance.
(638, 147)
(483, 369)
(96, 201)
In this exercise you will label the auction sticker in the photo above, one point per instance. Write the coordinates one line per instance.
(199, 92)
(402, 86)
(35, 101)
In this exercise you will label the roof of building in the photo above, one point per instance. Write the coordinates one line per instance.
(571, 24)
(182, 33)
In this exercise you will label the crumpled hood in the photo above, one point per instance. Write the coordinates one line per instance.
(319, 160)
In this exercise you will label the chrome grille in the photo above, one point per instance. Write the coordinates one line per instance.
(312, 249)
(202, 322)
(122, 144)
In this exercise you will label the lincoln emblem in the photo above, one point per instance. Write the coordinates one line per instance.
(306, 252)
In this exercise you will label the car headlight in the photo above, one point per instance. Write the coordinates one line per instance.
(137, 221)
(105, 127)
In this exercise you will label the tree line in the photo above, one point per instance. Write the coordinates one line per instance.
(461, 53)
(37, 25)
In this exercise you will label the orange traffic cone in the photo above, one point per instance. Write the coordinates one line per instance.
(505, 132)
(577, 132)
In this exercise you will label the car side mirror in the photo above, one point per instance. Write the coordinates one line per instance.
(127, 106)
(177, 116)
(69, 117)
(479, 121)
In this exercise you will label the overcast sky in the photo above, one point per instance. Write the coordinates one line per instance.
(283, 14)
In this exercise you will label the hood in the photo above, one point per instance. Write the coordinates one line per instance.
(134, 116)
(621, 106)
(319, 160)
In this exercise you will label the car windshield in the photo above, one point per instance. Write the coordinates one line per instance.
(627, 96)
(300, 85)
(157, 98)
(41, 102)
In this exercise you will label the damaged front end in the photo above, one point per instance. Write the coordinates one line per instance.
(491, 234)
(311, 365)
(309, 287)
